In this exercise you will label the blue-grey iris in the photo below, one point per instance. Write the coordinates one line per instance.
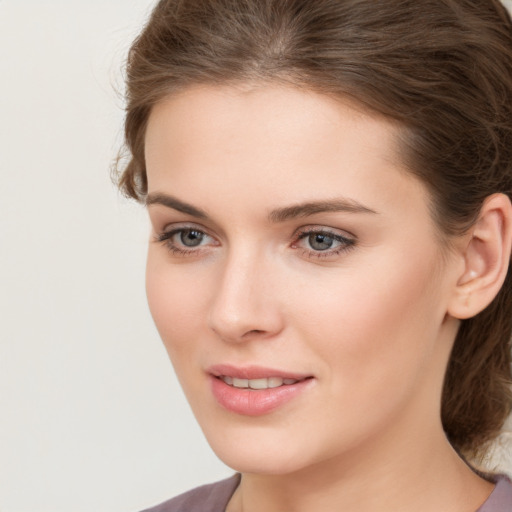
(320, 242)
(191, 238)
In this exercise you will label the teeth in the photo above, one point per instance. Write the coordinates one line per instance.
(240, 383)
(258, 384)
(272, 382)
(275, 382)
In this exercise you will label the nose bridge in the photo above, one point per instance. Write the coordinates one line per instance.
(243, 305)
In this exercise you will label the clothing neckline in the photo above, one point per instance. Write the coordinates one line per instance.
(500, 497)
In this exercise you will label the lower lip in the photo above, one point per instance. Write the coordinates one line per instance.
(251, 402)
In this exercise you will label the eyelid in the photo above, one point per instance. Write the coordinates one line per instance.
(315, 228)
(171, 226)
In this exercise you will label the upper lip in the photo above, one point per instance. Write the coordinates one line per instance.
(253, 372)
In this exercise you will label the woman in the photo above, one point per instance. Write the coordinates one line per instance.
(329, 186)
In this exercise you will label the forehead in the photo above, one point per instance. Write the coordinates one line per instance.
(272, 143)
(270, 114)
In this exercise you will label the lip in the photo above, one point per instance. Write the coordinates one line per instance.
(253, 372)
(249, 402)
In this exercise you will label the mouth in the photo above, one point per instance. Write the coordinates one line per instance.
(255, 391)
(259, 384)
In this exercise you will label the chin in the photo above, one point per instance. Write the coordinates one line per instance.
(256, 463)
(262, 451)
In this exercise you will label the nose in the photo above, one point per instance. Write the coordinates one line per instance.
(245, 305)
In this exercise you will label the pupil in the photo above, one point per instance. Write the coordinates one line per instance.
(320, 242)
(191, 238)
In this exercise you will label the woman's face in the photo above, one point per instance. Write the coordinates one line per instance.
(292, 254)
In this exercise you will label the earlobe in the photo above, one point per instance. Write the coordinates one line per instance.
(486, 258)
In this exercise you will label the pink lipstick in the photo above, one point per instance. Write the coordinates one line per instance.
(254, 390)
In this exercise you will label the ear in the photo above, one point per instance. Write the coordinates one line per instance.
(486, 256)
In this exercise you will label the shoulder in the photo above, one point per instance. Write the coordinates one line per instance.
(501, 498)
(207, 498)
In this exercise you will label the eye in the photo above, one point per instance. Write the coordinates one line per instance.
(190, 237)
(322, 242)
(184, 241)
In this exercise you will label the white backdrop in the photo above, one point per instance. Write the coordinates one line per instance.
(92, 418)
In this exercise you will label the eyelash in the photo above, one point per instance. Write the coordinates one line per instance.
(345, 242)
(166, 239)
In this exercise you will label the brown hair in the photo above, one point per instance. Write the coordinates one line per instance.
(442, 69)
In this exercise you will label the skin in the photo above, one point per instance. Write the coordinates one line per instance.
(370, 322)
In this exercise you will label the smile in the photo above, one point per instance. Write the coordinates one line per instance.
(257, 384)
(254, 390)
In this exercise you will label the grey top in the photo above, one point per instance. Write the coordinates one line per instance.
(207, 498)
(215, 497)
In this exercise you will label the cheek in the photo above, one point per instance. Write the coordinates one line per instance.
(176, 300)
(375, 325)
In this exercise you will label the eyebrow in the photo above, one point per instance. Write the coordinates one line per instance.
(175, 204)
(312, 208)
(275, 216)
